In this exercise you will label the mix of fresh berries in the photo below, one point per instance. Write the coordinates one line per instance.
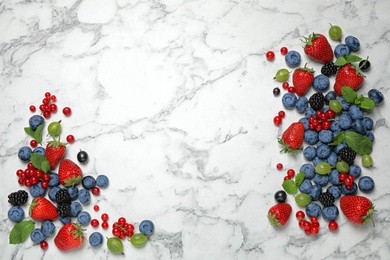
(61, 192)
(335, 130)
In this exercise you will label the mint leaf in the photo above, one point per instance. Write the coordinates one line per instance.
(352, 58)
(341, 61)
(367, 103)
(361, 144)
(348, 94)
(21, 231)
(289, 186)
(38, 134)
(338, 139)
(40, 162)
(29, 131)
(299, 178)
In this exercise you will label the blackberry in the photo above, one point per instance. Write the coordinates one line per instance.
(329, 69)
(18, 198)
(317, 101)
(347, 154)
(326, 198)
(63, 210)
(63, 196)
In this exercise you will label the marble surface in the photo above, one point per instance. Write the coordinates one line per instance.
(173, 101)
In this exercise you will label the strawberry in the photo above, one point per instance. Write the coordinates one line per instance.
(69, 173)
(347, 75)
(357, 209)
(292, 137)
(279, 214)
(318, 48)
(302, 79)
(55, 151)
(42, 209)
(69, 237)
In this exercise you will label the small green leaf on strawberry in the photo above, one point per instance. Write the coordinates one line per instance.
(345, 59)
(40, 162)
(21, 231)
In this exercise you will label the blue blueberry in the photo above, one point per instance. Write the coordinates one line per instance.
(84, 196)
(75, 208)
(355, 170)
(376, 96)
(355, 112)
(308, 170)
(102, 181)
(310, 152)
(37, 236)
(338, 147)
(302, 104)
(325, 136)
(358, 127)
(321, 83)
(330, 213)
(54, 180)
(310, 112)
(345, 105)
(313, 210)
(96, 239)
(370, 135)
(73, 192)
(289, 100)
(366, 184)
(35, 121)
(323, 151)
(37, 190)
(345, 121)
(305, 122)
(368, 123)
(317, 160)
(305, 186)
(315, 191)
(335, 191)
(39, 150)
(24, 153)
(332, 159)
(331, 95)
(293, 59)
(346, 191)
(335, 127)
(311, 137)
(52, 193)
(84, 218)
(48, 228)
(64, 220)
(16, 214)
(352, 42)
(321, 179)
(341, 50)
(334, 177)
(146, 227)
(88, 182)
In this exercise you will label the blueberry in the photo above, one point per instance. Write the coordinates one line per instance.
(37, 190)
(331, 95)
(370, 135)
(352, 191)
(64, 220)
(341, 50)
(48, 228)
(358, 127)
(310, 112)
(73, 192)
(321, 179)
(293, 59)
(24, 153)
(317, 160)
(335, 127)
(52, 193)
(289, 100)
(321, 83)
(84, 218)
(376, 96)
(325, 136)
(88, 182)
(337, 148)
(102, 181)
(35, 121)
(334, 177)
(301, 104)
(355, 170)
(323, 151)
(335, 191)
(330, 213)
(368, 123)
(84, 196)
(352, 42)
(366, 184)
(96, 239)
(75, 208)
(315, 191)
(305, 122)
(313, 209)
(355, 112)
(311, 136)
(345, 121)
(54, 180)
(308, 170)
(332, 159)
(146, 227)
(37, 236)
(39, 150)
(345, 105)
(309, 152)
(305, 186)
(16, 214)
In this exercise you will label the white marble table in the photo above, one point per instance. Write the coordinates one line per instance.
(173, 101)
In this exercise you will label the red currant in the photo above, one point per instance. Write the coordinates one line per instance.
(46, 177)
(129, 227)
(319, 128)
(291, 89)
(19, 172)
(53, 98)
(285, 85)
(21, 181)
(281, 113)
(314, 219)
(27, 183)
(300, 215)
(46, 101)
(277, 120)
(70, 138)
(330, 114)
(104, 216)
(42, 107)
(314, 230)
(95, 190)
(279, 166)
(46, 114)
(116, 231)
(301, 223)
(333, 225)
(291, 173)
(121, 221)
(307, 225)
(342, 176)
(34, 180)
(44, 245)
(96, 208)
(326, 124)
(270, 55)
(94, 222)
(286, 178)
(67, 111)
(33, 108)
(105, 225)
(33, 143)
(45, 184)
(283, 50)
(47, 94)
(53, 107)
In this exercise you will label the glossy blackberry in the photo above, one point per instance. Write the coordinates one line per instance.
(329, 69)
(347, 154)
(18, 198)
(63, 210)
(326, 199)
(317, 101)
(63, 196)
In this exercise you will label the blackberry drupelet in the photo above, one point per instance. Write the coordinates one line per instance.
(326, 198)
(63, 196)
(329, 69)
(317, 101)
(18, 198)
(347, 154)
(63, 210)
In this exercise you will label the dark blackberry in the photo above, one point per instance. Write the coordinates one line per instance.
(326, 198)
(347, 154)
(63, 196)
(329, 69)
(18, 198)
(317, 101)
(63, 210)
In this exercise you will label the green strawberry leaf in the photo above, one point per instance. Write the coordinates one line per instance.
(289, 186)
(361, 144)
(367, 103)
(299, 178)
(21, 231)
(349, 94)
(341, 61)
(40, 162)
(352, 58)
(338, 139)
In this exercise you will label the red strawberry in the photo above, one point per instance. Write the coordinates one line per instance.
(302, 79)
(357, 209)
(42, 209)
(55, 151)
(292, 137)
(69, 173)
(347, 75)
(70, 236)
(318, 48)
(279, 214)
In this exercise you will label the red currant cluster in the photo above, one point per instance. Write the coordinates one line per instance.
(279, 118)
(122, 229)
(321, 120)
(95, 222)
(311, 227)
(290, 174)
(347, 179)
(48, 107)
(31, 176)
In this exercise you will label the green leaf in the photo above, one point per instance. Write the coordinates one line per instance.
(29, 131)
(361, 144)
(352, 58)
(289, 186)
(367, 103)
(21, 231)
(338, 139)
(299, 178)
(348, 94)
(40, 162)
(38, 134)
(341, 61)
